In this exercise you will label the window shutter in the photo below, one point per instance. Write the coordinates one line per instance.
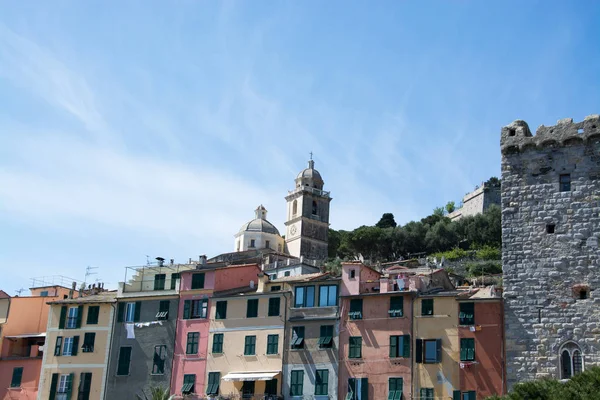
(438, 348)
(393, 346)
(70, 385)
(120, 312)
(456, 395)
(58, 346)
(364, 388)
(137, 312)
(351, 387)
(85, 383)
(419, 350)
(53, 386)
(79, 317)
(463, 350)
(406, 346)
(63, 317)
(75, 345)
(187, 305)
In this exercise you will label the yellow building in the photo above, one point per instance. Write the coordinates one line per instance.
(245, 348)
(437, 349)
(77, 343)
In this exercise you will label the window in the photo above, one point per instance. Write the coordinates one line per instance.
(328, 295)
(213, 383)
(160, 353)
(467, 349)
(565, 182)
(198, 281)
(89, 340)
(195, 309)
(395, 388)
(124, 360)
(58, 346)
(267, 244)
(584, 294)
(426, 394)
(65, 385)
(571, 360)
(297, 341)
(174, 277)
(68, 347)
(252, 242)
(272, 344)
(221, 310)
(295, 207)
(396, 306)
(315, 208)
(466, 316)
(92, 315)
(304, 296)
(163, 310)
(322, 382)
(326, 337)
(250, 346)
(470, 395)
(192, 343)
(271, 277)
(72, 318)
(85, 386)
(217, 346)
(427, 307)
(275, 288)
(400, 346)
(44, 293)
(252, 308)
(297, 383)
(271, 387)
(189, 381)
(358, 389)
(159, 281)
(428, 351)
(17, 375)
(352, 273)
(274, 303)
(355, 347)
(130, 312)
(355, 309)
(248, 389)
(550, 228)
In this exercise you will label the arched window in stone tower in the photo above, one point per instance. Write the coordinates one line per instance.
(315, 208)
(571, 360)
(295, 207)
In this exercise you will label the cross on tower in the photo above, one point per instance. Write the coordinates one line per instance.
(311, 154)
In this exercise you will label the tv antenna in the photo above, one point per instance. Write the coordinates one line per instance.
(88, 272)
(19, 291)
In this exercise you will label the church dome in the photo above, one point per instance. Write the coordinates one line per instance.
(310, 177)
(259, 223)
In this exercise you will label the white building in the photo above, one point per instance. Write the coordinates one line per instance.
(259, 234)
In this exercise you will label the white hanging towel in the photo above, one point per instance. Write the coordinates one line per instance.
(130, 332)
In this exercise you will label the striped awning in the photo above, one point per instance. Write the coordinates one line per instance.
(250, 376)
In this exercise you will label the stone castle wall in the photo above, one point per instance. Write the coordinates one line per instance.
(544, 271)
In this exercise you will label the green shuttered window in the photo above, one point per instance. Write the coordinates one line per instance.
(400, 346)
(221, 310)
(217, 346)
(189, 383)
(274, 303)
(466, 315)
(356, 308)
(250, 346)
(297, 341)
(326, 337)
(396, 306)
(124, 360)
(395, 388)
(17, 375)
(297, 383)
(192, 343)
(252, 308)
(272, 344)
(467, 349)
(426, 394)
(92, 315)
(355, 347)
(198, 281)
(213, 383)
(321, 382)
(427, 307)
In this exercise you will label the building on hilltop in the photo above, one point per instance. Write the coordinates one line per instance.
(477, 201)
(550, 257)
(259, 234)
(23, 339)
(307, 225)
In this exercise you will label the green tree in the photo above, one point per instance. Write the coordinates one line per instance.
(450, 207)
(386, 221)
(439, 211)
(156, 393)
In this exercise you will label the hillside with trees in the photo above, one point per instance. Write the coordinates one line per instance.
(476, 237)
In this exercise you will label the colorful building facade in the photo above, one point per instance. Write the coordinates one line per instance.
(24, 342)
(78, 339)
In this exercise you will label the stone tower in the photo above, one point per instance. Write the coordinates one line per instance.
(550, 255)
(308, 216)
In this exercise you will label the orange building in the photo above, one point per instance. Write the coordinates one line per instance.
(22, 341)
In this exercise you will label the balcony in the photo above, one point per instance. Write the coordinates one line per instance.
(306, 313)
(19, 347)
(309, 189)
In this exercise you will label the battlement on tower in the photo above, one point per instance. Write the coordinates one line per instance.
(516, 137)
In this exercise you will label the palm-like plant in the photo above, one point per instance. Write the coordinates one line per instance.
(156, 393)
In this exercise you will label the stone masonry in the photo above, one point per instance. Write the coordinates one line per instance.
(550, 255)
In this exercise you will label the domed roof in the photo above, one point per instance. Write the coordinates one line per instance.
(310, 173)
(259, 223)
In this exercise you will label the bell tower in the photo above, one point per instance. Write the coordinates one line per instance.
(308, 216)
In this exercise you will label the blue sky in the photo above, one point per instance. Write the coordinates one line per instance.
(155, 128)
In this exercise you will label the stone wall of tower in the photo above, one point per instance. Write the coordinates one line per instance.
(543, 271)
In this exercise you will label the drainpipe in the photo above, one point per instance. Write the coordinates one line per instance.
(112, 337)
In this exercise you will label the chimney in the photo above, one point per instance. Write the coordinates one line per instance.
(262, 280)
(72, 291)
(202, 259)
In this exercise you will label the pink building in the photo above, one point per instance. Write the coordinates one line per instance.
(192, 334)
(375, 335)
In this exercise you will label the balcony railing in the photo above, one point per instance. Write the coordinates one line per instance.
(309, 189)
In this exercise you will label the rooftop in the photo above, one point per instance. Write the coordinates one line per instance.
(105, 297)
(232, 292)
(304, 278)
